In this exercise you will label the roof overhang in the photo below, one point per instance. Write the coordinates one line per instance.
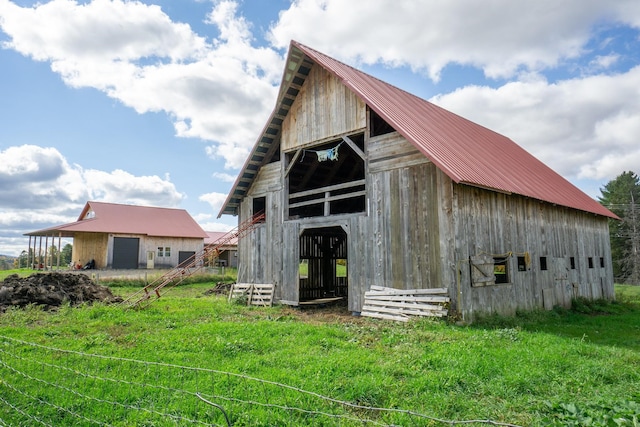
(297, 69)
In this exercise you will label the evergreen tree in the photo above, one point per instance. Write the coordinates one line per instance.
(622, 196)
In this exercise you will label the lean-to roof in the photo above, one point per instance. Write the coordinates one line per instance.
(217, 237)
(465, 151)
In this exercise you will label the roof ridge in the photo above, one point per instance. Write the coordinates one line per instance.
(304, 47)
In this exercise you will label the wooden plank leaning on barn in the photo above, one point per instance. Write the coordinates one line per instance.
(398, 304)
(259, 294)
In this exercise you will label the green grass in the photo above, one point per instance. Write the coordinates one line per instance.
(563, 367)
(229, 276)
(627, 293)
(22, 272)
(341, 269)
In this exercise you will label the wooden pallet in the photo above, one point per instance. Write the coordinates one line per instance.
(259, 294)
(399, 304)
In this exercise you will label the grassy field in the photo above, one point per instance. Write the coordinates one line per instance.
(280, 366)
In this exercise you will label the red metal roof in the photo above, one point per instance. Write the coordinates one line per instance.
(465, 151)
(99, 217)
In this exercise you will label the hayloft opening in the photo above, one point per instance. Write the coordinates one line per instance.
(377, 125)
(323, 264)
(327, 179)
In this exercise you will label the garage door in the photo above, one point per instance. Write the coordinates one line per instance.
(185, 258)
(125, 252)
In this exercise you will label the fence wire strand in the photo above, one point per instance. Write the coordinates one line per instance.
(123, 390)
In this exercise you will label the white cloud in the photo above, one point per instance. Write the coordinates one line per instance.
(215, 200)
(48, 181)
(30, 163)
(219, 91)
(209, 224)
(500, 37)
(234, 155)
(603, 62)
(119, 186)
(225, 177)
(582, 128)
(32, 176)
(39, 188)
(103, 30)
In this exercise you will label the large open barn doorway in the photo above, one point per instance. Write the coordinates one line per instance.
(323, 264)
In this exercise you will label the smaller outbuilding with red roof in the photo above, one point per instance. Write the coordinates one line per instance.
(122, 236)
(227, 248)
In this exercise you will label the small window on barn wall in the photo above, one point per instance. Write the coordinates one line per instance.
(259, 206)
(543, 263)
(160, 251)
(572, 261)
(377, 125)
(601, 262)
(522, 263)
(167, 251)
(501, 269)
(590, 262)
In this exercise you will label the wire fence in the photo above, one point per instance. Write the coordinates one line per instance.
(46, 386)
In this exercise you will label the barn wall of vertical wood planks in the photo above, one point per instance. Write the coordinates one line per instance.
(494, 252)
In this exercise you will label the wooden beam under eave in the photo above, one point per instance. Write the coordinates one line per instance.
(354, 147)
(292, 162)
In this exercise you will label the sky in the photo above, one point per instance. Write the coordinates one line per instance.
(158, 102)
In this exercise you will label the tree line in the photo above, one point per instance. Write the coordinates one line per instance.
(26, 258)
(622, 197)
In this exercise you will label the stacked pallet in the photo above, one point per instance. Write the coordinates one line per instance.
(260, 294)
(400, 304)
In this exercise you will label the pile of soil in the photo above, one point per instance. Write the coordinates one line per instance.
(50, 290)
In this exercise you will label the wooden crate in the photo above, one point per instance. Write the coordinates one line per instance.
(399, 304)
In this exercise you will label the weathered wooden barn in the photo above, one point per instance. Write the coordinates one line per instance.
(365, 184)
(126, 236)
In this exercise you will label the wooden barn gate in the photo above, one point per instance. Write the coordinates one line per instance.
(324, 251)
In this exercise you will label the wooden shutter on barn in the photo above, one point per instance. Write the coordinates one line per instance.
(482, 270)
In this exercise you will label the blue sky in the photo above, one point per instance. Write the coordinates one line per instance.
(158, 102)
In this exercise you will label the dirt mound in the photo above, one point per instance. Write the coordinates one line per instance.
(51, 290)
